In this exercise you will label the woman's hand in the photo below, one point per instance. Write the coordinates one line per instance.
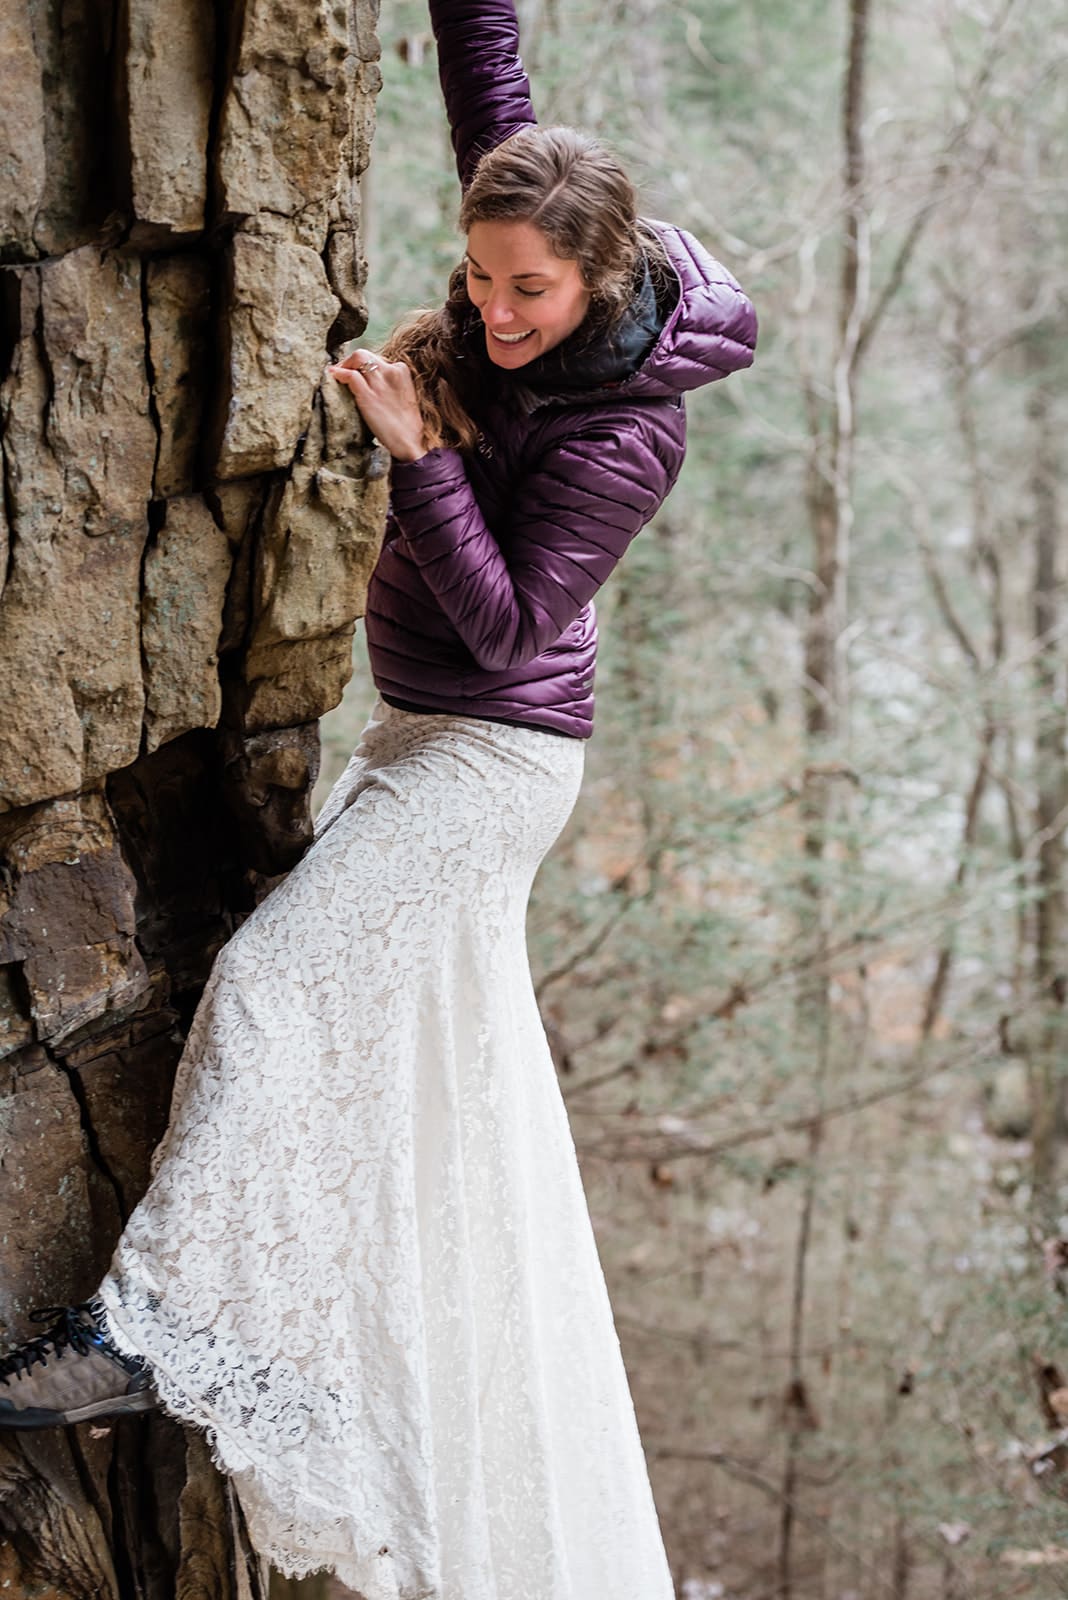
(385, 397)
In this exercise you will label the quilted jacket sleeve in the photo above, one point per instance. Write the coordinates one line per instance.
(487, 96)
(572, 520)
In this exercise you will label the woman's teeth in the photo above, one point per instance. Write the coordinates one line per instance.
(513, 338)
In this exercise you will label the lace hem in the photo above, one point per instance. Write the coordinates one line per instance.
(257, 1486)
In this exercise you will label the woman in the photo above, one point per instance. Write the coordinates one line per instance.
(365, 1265)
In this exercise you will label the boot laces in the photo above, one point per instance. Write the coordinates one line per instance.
(69, 1331)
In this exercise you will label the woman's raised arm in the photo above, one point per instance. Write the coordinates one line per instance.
(487, 95)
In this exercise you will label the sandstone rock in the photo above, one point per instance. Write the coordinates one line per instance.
(5, 545)
(185, 576)
(57, 1219)
(69, 919)
(179, 307)
(286, 121)
(320, 537)
(33, 685)
(237, 506)
(368, 84)
(16, 1026)
(347, 270)
(365, 23)
(340, 441)
(72, 44)
(22, 152)
(318, 548)
(127, 1097)
(169, 79)
(280, 310)
(79, 447)
(60, 831)
(296, 680)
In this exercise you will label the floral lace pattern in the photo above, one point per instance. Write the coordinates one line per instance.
(365, 1263)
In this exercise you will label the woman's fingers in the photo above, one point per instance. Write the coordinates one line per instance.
(364, 362)
(349, 377)
(386, 399)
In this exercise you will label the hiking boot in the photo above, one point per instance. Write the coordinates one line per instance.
(70, 1373)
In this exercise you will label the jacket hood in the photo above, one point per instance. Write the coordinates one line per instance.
(710, 332)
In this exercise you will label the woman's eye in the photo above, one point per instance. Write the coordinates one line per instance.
(483, 277)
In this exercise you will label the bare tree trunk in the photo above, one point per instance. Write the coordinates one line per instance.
(186, 528)
(984, 656)
(1051, 787)
(830, 512)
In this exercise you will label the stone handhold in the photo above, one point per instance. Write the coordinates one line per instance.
(179, 306)
(340, 440)
(22, 134)
(169, 80)
(79, 447)
(185, 576)
(286, 120)
(280, 312)
(69, 921)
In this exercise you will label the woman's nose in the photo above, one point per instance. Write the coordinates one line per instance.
(497, 311)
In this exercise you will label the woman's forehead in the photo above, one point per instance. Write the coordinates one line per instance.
(514, 249)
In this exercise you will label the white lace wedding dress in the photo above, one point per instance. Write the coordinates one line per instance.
(365, 1263)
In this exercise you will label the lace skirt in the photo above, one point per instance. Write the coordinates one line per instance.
(365, 1264)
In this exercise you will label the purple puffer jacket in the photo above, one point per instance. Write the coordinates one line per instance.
(480, 604)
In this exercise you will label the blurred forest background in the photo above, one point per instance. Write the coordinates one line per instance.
(801, 952)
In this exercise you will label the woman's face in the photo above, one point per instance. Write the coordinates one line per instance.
(530, 299)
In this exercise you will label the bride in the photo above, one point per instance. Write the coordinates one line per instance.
(365, 1265)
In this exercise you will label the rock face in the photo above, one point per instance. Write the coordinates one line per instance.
(78, 446)
(281, 312)
(187, 525)
(185, 577)
(178, 308)
(22, 131)
(170, 84)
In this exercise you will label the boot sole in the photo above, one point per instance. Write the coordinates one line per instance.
(124, 1405)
